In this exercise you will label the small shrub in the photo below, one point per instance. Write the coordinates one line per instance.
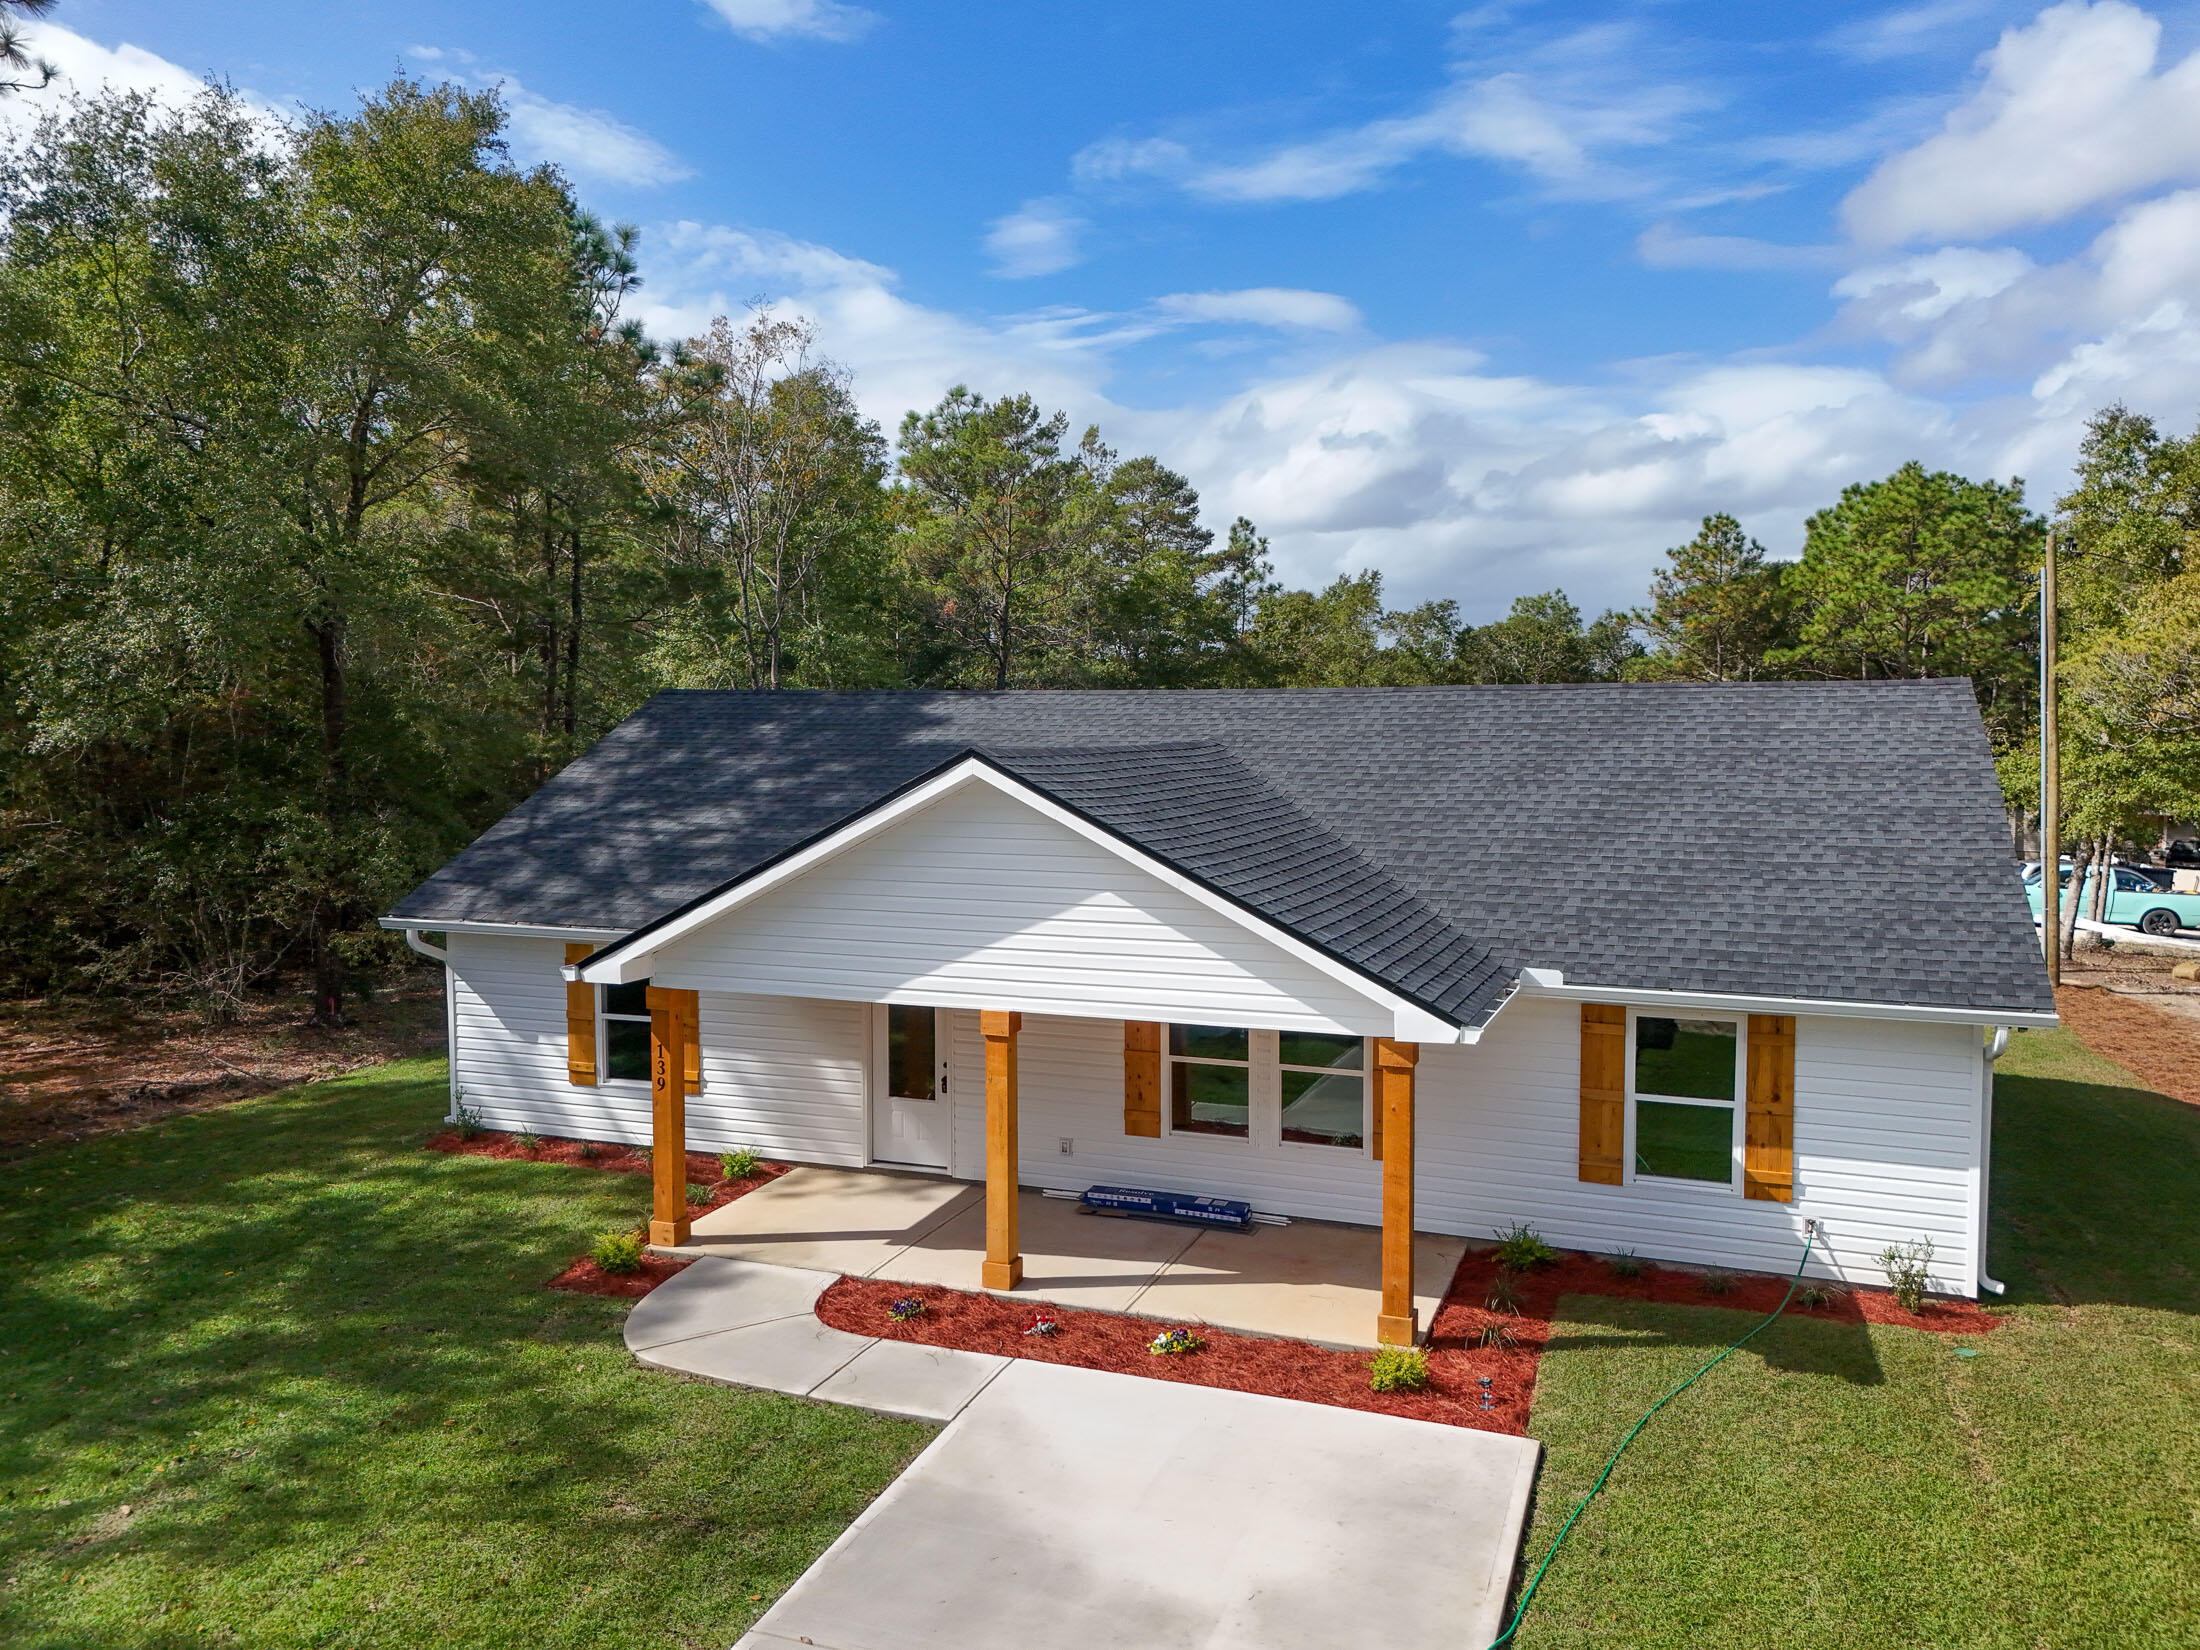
(1521, 1247)
(1398, 1369)
(907, 1307)
(1909, 1269)
(1498, 1336)
(738, 1165)
(1816, 1297)
(697, 1195)
(1625, 1264)
(468, 1120)
(1719, 1283)
(1173, 1341)
(1504, 1294)
(528, 1140)
(617, 1252)
(590, 1151)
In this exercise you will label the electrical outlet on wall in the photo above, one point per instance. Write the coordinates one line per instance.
(1069, 1146)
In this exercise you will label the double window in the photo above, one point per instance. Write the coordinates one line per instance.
(1683, 1079)
(626, 1031)
(1301, 1088)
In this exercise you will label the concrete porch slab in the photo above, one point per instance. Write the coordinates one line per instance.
(830, 1220)
(1085, 1511)
(1310, 1280)
(1070, 1258)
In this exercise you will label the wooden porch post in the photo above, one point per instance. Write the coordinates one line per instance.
(668, 1211)
(1394, 1063)
(1004, 1261)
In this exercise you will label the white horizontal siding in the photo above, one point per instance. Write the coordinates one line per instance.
(780, 1074)
(1886, 1147)
(1885, 1128)
(979, 902)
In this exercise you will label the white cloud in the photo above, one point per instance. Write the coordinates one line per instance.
(587, 143)
(1559, 129)
(1662, 246)
(1927, 287)
(2072, 114)
(1904, 33)
(86, 67)
(1040, 238)
(1111, 160)
(1289, 308)
(767, 20)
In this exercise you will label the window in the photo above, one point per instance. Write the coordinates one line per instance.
(1210, 1081)
(1686, 1074)
(626, 1031)
(1324, 1088)
(912, 1071)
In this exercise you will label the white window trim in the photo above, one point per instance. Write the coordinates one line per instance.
(1264, 1068)
(1737, 1105)
(604, 1021)
(1249, 1065)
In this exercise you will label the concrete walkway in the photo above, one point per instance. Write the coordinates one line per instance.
(1069, 1509)
(1311, 1280)
(1072, 1509)
(751, 1324)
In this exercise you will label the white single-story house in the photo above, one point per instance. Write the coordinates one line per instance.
(1664, 968)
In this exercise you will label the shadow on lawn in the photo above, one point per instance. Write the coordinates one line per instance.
(1798, 1343)
(283, 1277)
(2093, 1198)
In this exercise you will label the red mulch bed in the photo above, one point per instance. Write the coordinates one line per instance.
(584, 1276)
(1315, 1374)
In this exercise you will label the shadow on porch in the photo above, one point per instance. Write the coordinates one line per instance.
(1312, 1280)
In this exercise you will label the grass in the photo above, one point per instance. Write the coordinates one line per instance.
(1836, 1485)
(271, 1376)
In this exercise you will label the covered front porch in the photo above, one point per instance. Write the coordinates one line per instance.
(1347, 1285)
(1312, 1280)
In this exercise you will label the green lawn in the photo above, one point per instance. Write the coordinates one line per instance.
(1843, 1486)
(272, 1376)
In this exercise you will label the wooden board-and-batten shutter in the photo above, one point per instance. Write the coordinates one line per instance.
(1603, 1093)
(580, 1023)
(1768, 1132)
(1142, 1078)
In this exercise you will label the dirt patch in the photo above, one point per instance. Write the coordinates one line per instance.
(1460, 1353)
(77, 1068)
(2162, 1050)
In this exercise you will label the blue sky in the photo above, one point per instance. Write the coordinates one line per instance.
(1491, 299)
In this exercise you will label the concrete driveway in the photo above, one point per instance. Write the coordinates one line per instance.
(1069, 1509)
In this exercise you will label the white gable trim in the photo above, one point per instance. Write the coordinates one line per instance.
(1831, 1008)
(634, 957)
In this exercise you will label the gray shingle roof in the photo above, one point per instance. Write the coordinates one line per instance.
(1840, 840)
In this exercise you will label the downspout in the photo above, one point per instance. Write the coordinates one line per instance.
(1991, 1053)
(450, 1011)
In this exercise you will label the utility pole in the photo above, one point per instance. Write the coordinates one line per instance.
(2050, 776)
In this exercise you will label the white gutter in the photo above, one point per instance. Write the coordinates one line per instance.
(1992, 1052)
(515, 930)
(1830, 1008)
(436, 952)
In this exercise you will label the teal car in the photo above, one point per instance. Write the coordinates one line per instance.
(2133, 900)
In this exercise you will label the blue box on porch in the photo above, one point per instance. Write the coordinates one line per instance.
(1225, 1212)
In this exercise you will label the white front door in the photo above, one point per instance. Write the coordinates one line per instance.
(911, 1119)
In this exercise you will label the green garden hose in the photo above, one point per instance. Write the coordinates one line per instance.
(1810, 1236)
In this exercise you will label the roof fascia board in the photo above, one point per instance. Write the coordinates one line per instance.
(1824, 1007)
(633, 958)
(514, 930)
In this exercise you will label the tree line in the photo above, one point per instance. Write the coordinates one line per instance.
(342, 502)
